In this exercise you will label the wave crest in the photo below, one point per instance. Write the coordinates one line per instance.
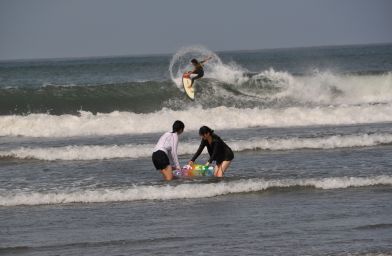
(168, 192)
(115, 123)
(95, 152)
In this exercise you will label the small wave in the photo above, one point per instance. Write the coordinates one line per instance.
(95, 244)
(168, 192)
(79, 152)
(376, 226)
(95, 152)
(367, 254)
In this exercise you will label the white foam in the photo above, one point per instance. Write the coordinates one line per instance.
(96, 152)
(79, 152)
(329, 88)
(167, 192)
(321, 87)
(330, 142)
(116, 123)
(231, 73)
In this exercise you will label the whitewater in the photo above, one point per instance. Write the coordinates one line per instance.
(97, 152)
(183, 191)
(116, 123)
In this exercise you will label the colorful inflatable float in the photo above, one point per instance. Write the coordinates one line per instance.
(194, 170)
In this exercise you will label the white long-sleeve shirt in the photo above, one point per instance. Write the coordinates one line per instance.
(168, 143)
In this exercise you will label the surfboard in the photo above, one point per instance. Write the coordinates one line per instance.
(186, 82)
(194, 171)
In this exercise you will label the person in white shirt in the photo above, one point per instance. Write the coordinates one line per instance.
(164, 156)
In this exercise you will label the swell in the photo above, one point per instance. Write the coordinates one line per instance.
(138, 97)
(92, 244)
(170, 192)
(223, 86)
(375, 226)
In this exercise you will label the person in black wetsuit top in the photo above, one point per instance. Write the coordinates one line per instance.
(198, 71)
(217, 149)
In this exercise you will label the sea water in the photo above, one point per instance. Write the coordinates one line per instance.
(311, 130)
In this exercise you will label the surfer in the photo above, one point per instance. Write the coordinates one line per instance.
(217, 149)
(198, 70)
(164, 156)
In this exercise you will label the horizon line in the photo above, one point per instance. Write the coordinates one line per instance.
(171, 53)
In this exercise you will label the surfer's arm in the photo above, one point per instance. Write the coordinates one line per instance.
(205, 60)
(198, 152)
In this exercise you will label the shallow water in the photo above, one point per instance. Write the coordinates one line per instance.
(312, 173)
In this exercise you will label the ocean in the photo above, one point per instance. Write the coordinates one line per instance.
(311, 130)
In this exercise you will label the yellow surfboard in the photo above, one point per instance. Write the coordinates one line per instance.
(187, 82)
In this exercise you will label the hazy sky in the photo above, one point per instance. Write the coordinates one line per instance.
(79, 28)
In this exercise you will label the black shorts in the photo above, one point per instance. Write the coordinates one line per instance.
(160, 160)
(227, 156)
(200, 74)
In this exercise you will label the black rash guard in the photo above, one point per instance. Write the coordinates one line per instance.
(218, 150)
(199, 71)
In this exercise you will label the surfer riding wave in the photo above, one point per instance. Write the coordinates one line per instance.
(198, 70)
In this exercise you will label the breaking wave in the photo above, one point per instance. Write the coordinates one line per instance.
(95, 152)
(167, 192)
(115, 123)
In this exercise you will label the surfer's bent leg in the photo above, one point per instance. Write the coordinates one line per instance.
(198, 75)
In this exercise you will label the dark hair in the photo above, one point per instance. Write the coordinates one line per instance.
(178, 126)
(205, 129)
(194, 61)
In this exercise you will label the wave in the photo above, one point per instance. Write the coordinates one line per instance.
(317, 87)
(167, 192)
(323, 88)
(375, 226)
(95, 152)
(265, 89)
(79, 152)
(70, 99)
(224, 84)
(116, 123)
